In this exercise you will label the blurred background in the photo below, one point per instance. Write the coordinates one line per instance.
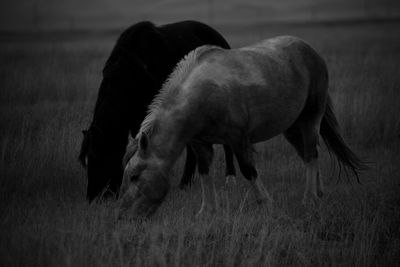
(103, 14)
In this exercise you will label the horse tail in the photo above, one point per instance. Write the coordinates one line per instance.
(330, 133)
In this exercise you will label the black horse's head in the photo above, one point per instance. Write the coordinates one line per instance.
(131, 77)
(115, 114)
(102, 163)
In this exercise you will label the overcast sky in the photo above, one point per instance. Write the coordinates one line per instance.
(78, 14)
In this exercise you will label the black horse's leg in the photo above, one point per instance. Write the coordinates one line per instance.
(230, 166)
(115, 185)
(230, 172)
(190, 167)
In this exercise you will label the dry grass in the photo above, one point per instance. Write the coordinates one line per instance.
(47, 92)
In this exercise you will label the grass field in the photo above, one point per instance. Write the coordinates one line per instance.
(47, 94)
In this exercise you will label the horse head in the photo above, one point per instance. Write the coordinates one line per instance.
(95, 157)
(145, 184)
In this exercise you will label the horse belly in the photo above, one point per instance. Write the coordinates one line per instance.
(272, 115)
(268, 130)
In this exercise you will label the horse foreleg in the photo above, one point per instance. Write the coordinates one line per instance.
(245, 157)
(230, 172)
(204, 154)
(320, 186)
(190, 167)
(209, 192)
(262, 194)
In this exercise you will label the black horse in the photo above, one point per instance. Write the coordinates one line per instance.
(139, 64)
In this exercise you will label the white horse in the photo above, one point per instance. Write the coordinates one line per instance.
(235, 97)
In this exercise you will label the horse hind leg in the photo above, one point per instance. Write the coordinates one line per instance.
(294, 136)
(314, 187)
(305, 139)
(245, 157)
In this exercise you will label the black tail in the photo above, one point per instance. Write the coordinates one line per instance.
(334, 141)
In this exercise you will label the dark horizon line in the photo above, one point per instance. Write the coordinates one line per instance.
(117, 30)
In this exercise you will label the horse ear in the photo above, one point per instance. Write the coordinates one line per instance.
(130, 151)
(84, 149)
(143, 144)
(83, 159)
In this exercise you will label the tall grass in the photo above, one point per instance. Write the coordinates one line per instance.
(47, 93)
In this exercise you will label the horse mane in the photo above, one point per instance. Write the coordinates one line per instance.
(178, 76)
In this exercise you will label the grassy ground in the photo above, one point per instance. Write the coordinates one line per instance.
(47, 93)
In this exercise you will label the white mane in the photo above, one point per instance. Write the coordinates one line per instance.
(178, 75)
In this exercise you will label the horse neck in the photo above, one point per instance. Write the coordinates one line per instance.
(117, 116)
(112, 128)
(168, 141)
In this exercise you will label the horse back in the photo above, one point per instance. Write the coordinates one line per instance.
(261, 88)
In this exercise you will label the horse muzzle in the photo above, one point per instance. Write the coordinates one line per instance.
(137, 204)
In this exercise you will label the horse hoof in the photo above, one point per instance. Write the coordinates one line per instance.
(262, 201)
(265, 201)
(230, 180)
(265, 204)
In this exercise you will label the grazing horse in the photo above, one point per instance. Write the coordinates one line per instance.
(139, 64)
(235, 97)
